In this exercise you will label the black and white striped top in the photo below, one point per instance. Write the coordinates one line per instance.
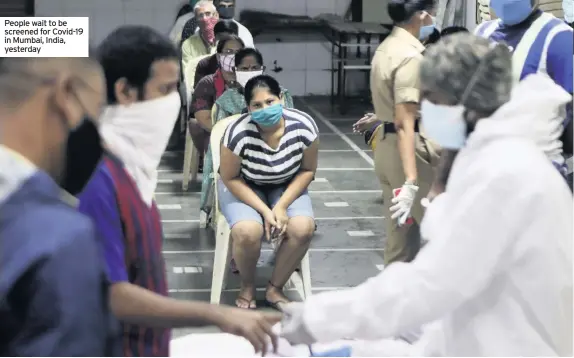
(261, 164)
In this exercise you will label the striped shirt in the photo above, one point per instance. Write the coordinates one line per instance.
(261, 164)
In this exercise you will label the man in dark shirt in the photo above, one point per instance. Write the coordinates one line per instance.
(53, 290)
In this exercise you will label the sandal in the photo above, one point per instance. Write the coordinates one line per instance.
(250, 303)
(276, 305)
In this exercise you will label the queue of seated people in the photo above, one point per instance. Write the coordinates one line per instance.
(270, 153)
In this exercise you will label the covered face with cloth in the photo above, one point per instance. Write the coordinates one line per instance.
(495, 278)
(53, 289)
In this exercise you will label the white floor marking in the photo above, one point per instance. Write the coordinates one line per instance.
(380, 267)
(188, 269)
(336, 130)
(337, 204)
(336, 150)
(192, 252)
(319, 180)
(165, 181)
(316, 219)
(364, 233)
(169, 207)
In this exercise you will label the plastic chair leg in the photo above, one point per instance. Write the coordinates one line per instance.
(306, 275)
(187, 159)
(220, 260)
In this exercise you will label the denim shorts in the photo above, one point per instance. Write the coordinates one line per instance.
(234, 210)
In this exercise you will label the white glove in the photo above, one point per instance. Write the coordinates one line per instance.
(403, 203)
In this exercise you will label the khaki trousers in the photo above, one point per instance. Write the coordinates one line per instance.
(403, 243)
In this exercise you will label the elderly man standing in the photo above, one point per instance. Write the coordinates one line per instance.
(53, 291)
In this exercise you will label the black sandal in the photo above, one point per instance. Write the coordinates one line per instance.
(276, 305)
(249, 303)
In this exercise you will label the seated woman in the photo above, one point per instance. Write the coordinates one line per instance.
(268, 159)
(210, 88)
(210, 64)
(248, 64)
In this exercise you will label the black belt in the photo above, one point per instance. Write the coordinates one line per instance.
(390, 127)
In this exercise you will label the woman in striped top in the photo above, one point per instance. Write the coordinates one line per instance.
(268, 159)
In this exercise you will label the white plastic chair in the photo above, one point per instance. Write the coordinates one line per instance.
(190, 161)
(222, 257)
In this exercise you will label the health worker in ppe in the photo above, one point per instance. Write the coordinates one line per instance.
(53, 290)
(495, 278)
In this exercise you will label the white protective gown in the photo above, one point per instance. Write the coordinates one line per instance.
(495, 278)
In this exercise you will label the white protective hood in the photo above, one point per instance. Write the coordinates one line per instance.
(535, 111)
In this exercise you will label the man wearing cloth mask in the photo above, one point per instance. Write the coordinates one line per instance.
(53, 289)
(226, 10)
(141, 69)
(201, 44)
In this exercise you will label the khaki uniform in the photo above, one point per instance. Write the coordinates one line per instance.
(395, 80)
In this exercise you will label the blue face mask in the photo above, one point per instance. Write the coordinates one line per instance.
(444, 124)
(511, 12)
(426, 30)
(269, 116)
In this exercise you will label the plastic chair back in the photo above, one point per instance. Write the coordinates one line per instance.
(215, 140)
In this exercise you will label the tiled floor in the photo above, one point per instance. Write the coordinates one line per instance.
(347, 248)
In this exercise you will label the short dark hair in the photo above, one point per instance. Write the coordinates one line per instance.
(226, 26)
(261, 81)
(453, 30)
(227, 38)
(246, 52)
(402, 10)
(129, 52)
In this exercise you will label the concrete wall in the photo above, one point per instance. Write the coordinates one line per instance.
(304, 59)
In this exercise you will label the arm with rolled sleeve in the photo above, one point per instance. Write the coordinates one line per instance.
(406, 96)
(441, 278)
(68, 305)
(98, 201)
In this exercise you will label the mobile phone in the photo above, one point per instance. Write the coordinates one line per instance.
(396, 192)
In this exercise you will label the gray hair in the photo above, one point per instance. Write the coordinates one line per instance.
(204, 3)
(465, 65)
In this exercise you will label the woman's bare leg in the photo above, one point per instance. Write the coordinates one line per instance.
(246, 243)
(300, 230)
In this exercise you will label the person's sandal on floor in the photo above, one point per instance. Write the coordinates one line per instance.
(276, 304)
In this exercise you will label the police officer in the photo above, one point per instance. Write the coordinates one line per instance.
(402, 157)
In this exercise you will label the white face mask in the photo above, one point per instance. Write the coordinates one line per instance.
(444, 124)
(226, 62)
(242, 77)
(138, 134)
